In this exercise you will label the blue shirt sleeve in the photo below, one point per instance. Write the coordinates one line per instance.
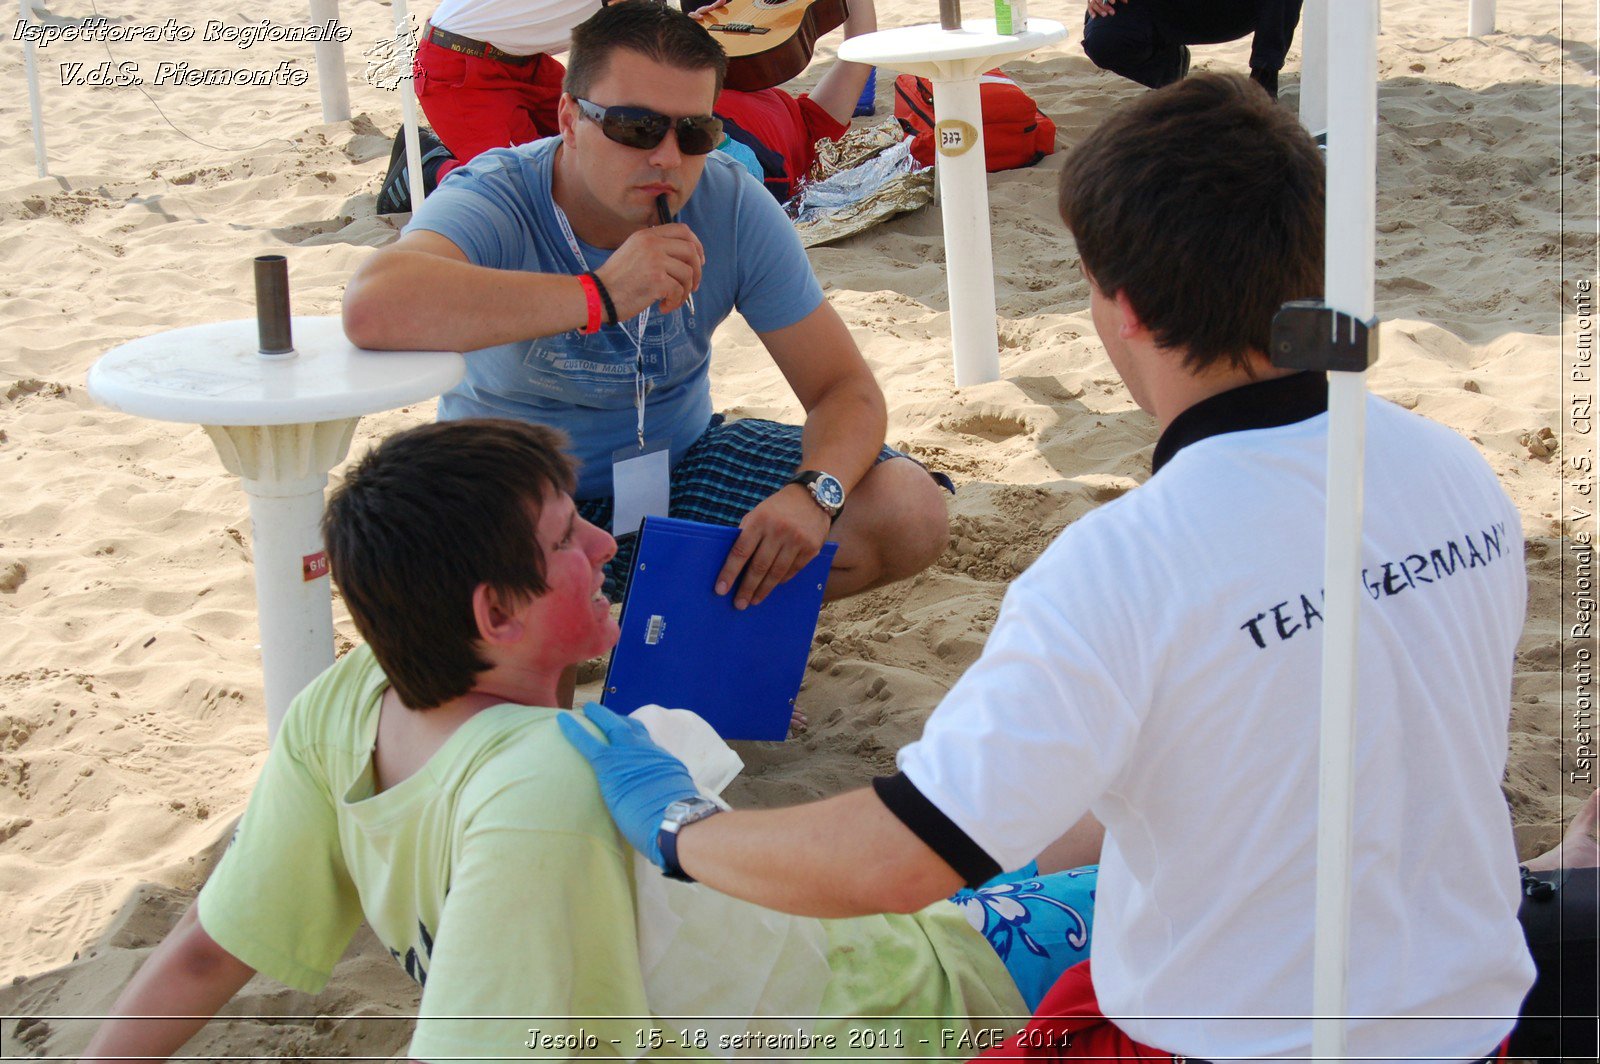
(775, 287)
(485, 209)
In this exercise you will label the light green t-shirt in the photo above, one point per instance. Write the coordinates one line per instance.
(495, 876)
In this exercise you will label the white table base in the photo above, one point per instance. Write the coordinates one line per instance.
(953, 60)
(280, 425)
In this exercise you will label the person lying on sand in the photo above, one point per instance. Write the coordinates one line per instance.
(420, 784)
(783, 128)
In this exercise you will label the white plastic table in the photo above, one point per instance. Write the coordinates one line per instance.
(280, 423)
(953, 60)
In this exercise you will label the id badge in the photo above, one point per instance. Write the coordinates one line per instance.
(641, 485)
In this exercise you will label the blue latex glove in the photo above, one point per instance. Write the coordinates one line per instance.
(638, 779)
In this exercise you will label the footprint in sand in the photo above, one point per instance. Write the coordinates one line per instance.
(995, 428)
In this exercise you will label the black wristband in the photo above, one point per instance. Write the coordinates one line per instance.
(605, 298)
(667, 842)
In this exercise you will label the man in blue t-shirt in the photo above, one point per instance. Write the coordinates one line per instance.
(586, 311)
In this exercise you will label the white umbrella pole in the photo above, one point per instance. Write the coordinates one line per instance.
(1314, 66)
(330, 65)
(39, 162)
(968, 254)
(1351, 216)
(408, 103)
(296, 613)
(1480, 17)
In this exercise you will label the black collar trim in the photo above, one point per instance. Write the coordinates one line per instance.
(1262, 405)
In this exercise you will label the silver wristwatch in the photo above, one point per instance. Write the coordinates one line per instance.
(679, 815)
(825, 489)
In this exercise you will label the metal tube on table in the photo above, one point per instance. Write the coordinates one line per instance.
(1352, 94)
(272, 306)
(950, 14)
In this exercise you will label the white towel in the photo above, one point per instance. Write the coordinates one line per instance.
(685, 735)
(705, 954)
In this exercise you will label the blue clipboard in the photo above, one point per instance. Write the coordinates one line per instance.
(685, 647)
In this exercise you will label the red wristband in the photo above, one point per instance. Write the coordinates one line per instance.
(591, 296)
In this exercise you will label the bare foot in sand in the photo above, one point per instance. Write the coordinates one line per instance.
(798, 722)
(1577, 848)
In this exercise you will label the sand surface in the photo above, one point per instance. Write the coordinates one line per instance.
(131, 714)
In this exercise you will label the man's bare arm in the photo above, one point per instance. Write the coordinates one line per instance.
(846, 416)
(421, 292)
(845, 422)
(1079, 846)
(845, 856)
(183, 983)
(840, 88)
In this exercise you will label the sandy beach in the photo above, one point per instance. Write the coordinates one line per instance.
(132, 723)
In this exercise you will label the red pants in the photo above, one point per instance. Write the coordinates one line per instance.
(475, 104)
(1068, 1025)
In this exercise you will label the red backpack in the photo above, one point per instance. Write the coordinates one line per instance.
(1015, 132)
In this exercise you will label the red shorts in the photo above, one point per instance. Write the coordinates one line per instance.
(1068, 1025)
(475, 104)
(789, 125)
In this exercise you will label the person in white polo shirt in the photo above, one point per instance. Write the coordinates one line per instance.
(1157, 668)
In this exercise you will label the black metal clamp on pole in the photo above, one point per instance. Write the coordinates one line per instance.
(272, 305)
(1308, 334)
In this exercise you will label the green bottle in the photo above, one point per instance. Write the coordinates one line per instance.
(1003, 20)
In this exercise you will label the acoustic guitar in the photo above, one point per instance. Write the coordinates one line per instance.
(770, 41)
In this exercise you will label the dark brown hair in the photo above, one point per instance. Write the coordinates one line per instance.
(420, 522)
(1202, 202)
(654, 30)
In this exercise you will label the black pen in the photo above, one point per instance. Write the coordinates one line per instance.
(664, 215)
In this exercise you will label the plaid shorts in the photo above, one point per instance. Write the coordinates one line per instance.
(725, 474)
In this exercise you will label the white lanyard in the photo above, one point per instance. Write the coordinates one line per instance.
(640, 388)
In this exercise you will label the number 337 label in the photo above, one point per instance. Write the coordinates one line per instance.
(954, 136)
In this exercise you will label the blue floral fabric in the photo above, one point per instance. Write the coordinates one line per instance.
(1039, 925)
